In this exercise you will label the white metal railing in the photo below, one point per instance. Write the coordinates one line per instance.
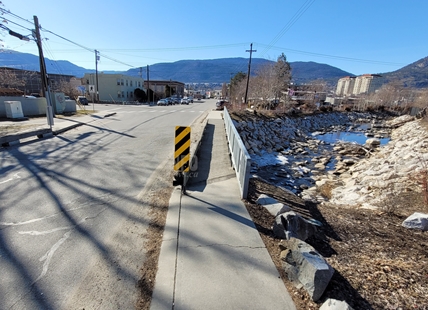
(241, 160)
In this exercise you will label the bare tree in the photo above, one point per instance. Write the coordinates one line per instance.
(224, 90)
(237, 88)
(8, 79)
(270, 83)
(68, 88)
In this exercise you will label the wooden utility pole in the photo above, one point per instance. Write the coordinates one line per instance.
(249, 69)
(43, 74)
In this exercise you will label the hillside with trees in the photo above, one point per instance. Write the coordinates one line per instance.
(414, 75)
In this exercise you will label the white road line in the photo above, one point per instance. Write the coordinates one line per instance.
(15, 176)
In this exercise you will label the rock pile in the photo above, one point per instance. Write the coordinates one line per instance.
(293, 141)
(390, 170)
(302, 263)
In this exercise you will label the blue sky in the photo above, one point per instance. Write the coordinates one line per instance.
(358, 36)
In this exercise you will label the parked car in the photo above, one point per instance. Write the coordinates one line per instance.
(175, 100)
(169, 100)
(220, 104)
(82, 100)
(190, 98)
(184, 101)
(162, 102)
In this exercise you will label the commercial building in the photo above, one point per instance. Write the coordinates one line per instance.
(32, 81)
(162, 89)
(112, 87)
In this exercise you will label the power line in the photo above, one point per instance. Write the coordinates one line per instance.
(335, 56)
(61, 37)
(293, 20)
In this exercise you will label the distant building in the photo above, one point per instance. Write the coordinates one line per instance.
(367, 84)
(112, 87)
(345, 86)
(159, 88)
(356, 85)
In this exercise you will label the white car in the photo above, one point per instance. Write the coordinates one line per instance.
(162, 102)
(184, 101)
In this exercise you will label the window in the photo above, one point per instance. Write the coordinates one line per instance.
(123, 94)
(118, 81)
(121, 82)
(126, 82)
(130, 83)
(118, 94)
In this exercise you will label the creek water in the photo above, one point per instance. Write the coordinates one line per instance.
(357, 137)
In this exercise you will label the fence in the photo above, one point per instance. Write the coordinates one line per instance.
(241, 160)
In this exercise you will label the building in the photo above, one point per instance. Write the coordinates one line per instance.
(32, 81)
(112, 87)
(345, 86)
(367, 84)
(356, 85)
(162, 89)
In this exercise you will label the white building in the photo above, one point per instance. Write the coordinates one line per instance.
(345, 86)
(363, 84)
(367, 83)
(112, 87)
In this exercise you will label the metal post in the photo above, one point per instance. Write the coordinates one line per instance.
(148, 85)
(97, 58)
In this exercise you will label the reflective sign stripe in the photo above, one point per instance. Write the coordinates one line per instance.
(182, 149)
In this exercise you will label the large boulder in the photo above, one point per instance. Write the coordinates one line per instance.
(334, 304)
(304, 264)
(265, 200)
(290, 224)
(277, 208)
(416, 221)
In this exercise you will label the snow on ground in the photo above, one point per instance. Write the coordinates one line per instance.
(269, 159)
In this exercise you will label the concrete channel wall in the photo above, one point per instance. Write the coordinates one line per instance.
(241, 160)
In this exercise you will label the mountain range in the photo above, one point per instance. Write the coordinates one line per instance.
(217, 70)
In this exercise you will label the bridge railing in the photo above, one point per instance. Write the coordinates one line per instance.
(241, 160)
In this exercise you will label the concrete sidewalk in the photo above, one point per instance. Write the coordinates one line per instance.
(212, 256)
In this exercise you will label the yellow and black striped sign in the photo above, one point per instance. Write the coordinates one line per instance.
(182, 149)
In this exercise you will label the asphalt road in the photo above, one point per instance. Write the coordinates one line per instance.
(72, 211)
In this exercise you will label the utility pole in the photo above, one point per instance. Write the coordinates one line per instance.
(43, 74)
(97, 58)
(249, 69)
(148, 85)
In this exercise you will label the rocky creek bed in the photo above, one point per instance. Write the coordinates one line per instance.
(360, 200)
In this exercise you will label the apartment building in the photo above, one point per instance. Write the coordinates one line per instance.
(345, 86)
(112, 87)
(356, 85)
(367, 84)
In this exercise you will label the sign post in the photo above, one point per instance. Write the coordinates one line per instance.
(182, 155)
(92, 92)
